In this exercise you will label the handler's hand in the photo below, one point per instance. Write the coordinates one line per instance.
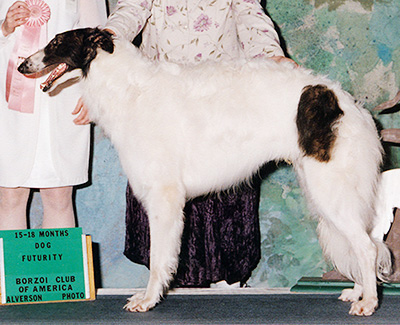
(83, 114)
(109, 31)
(16, 16)
(280, 59)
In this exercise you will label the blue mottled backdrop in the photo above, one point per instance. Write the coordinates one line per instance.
(354, 42)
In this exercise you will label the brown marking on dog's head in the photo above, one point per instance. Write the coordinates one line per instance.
(318, 111)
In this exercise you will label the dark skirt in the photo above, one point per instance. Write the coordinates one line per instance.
(221, 238)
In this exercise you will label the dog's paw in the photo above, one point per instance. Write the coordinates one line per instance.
(139, 303)
(364, 307)
(352, 295)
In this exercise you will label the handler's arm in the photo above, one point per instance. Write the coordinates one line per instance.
(256, 30)
(93, 13)
(129, 17)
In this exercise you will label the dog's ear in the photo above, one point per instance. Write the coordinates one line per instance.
(103, 39)
(96, 38)
(99, 38)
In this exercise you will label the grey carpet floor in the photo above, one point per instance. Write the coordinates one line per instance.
(205, 309)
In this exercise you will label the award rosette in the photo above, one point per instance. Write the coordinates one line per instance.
(20, 90)
(40, 13)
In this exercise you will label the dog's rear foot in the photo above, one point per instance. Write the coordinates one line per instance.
(139, 303)
(352, 295)
(364, 307)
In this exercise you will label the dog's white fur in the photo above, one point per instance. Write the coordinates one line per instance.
(185, 131)
(388, 201)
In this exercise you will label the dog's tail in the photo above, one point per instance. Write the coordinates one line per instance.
(341, 252)
(384, 266)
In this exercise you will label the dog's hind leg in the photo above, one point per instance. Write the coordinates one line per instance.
(165, 212)
(345, 215)
(344, 237)
(353, 294)
(384, 269)
(347, 244)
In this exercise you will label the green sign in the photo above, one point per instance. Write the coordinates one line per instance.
(42, 265)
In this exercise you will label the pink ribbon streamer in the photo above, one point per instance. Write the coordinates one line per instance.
(20, 89)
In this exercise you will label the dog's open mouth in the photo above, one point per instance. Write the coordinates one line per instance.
(54, 75)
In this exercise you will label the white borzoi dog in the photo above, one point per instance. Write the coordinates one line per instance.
(182, 131)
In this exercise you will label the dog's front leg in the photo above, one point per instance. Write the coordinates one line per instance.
(165, 212)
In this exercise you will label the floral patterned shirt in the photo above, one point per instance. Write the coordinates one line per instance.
(189, 31)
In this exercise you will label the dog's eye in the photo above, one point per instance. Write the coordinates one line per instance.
(55, 41)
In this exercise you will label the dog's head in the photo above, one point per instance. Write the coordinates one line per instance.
(68, 52)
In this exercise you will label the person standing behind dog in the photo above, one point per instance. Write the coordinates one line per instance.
(42, 144)
(221, 239)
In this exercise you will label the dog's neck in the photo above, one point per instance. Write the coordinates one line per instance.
(109, 81)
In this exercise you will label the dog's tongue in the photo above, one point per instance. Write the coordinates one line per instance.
(56, 73)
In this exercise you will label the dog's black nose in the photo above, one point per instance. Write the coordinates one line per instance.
(23, 67)
(26, 67)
